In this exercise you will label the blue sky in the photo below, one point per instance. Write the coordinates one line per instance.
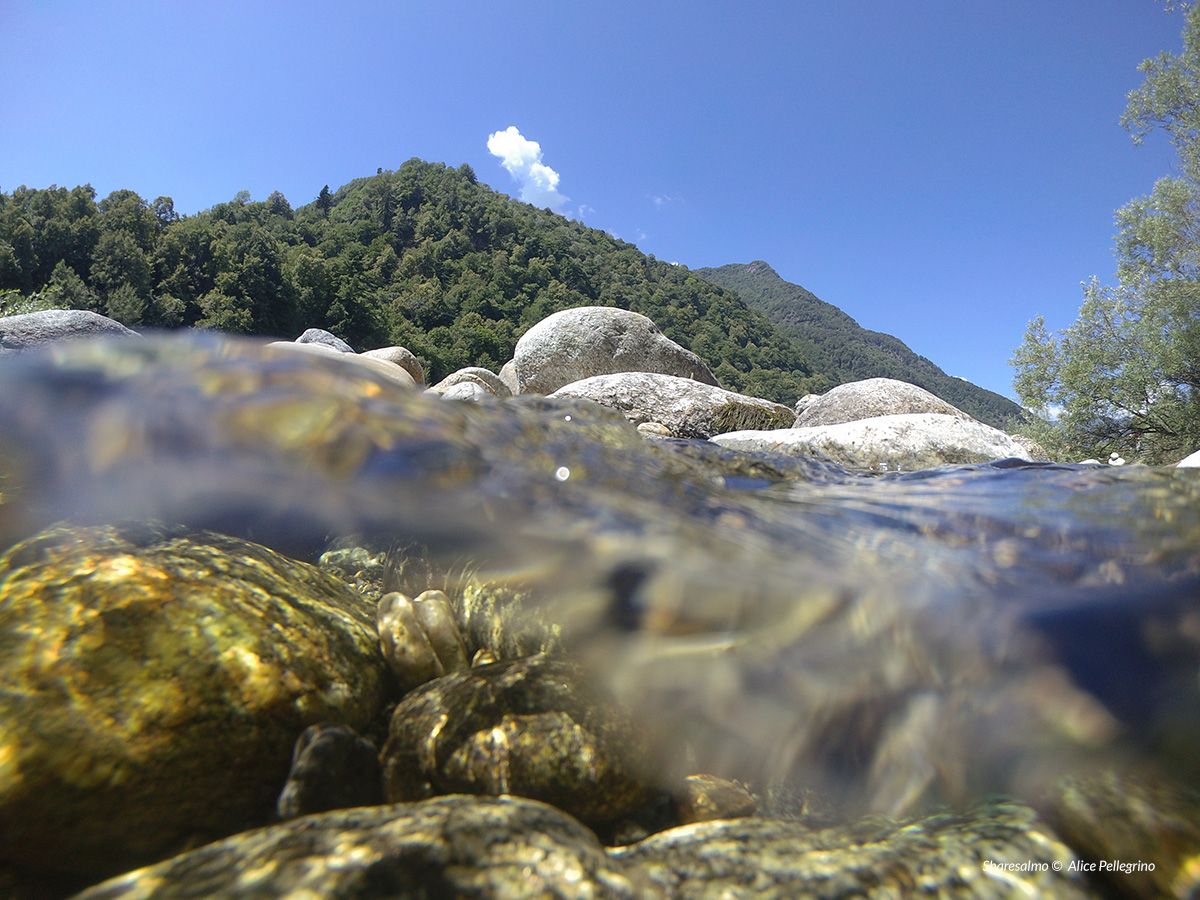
(943, 170)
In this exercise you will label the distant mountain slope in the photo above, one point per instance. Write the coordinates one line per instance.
(839, 347)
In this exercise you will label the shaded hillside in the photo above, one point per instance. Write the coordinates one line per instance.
(845, 351)
(423, 256)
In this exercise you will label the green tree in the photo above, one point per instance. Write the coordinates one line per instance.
(126, 305)
(66, 290)
(1125, 375)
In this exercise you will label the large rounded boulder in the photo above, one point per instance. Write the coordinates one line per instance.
(152, 683)
(36, 329)
(870, 398)
(598, 340)
(685, 407)
(886, 443)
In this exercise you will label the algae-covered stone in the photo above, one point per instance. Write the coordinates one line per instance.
(510, 847)
(151, 685)
(994, 852)
(528, 727)
(707, 797)
(504, 847)
(1142, 834)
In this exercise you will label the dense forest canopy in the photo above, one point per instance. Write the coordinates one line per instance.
(424, 257)
(842, 350)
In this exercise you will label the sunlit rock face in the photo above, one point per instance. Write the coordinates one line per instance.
(869, 398)
(29, 331)
(896, 443)
(598, 340)
(686, 408)
(151, 685)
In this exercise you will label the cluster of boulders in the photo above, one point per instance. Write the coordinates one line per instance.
(621, 360)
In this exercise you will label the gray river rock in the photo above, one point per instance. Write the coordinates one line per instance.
(848, 645)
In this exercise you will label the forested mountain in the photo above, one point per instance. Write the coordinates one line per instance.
(423, 256)
(842, 350)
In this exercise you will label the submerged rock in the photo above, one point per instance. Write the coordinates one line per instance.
(988, 853)
(870, 398)
(529, 727)
(889, 443)
(510, 847)
(419, 637)
(36, 329)
(579, 343)
(687, 408)
(706, 797)
(505, 847)
(1137, 833)
(332, 768)
(152, 684)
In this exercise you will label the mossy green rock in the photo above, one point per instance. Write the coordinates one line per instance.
(151, 686)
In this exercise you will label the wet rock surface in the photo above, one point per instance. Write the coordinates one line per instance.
(419, 637)
(445, 847)
(512, 847)
(528, 727)
(943, 856)
(333, 767)
(1139, 834)
(151, 685)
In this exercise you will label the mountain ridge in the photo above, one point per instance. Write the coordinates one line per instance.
(841, 349)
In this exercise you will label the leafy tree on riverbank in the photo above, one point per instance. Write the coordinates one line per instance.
(1126, 374)
(423, 256)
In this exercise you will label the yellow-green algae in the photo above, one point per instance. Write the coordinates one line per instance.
(155, 681)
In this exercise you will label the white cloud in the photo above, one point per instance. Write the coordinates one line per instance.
(522, 158)
(660, 200)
